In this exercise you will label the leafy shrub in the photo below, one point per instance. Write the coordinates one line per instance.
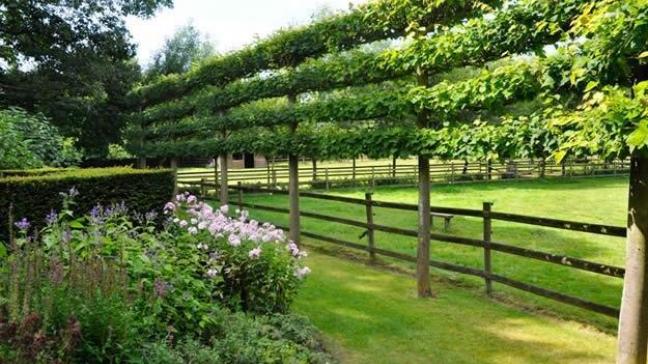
(34, 197)
(30, 141)
(246, 339)
(102, 287)
(255, 269)
(60, 307)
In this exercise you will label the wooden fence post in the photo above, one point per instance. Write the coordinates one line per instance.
(314, 169)
(488, 230)
(239, 184)
(370, 229)
(353, 171)
(267, 173)
(373, 177)
(216, 176)
(452, 172)
(274, 177)
(490, 170)
(326, 177)
(203, 193)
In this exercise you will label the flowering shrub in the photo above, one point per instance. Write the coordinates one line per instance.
(101, 287)
(253, 266)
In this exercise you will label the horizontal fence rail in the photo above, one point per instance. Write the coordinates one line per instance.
(450, 172)
(486, 244)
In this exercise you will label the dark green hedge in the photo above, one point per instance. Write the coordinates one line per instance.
(30, 172)
(34, 197)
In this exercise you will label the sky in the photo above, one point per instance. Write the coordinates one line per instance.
(229, 24)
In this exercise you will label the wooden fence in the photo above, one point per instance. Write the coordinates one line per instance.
(450, 172)
(487, 244)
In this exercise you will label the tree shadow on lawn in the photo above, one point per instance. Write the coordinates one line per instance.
(377, 317)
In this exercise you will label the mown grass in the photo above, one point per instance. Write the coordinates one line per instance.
(373, 316)
(596, 200)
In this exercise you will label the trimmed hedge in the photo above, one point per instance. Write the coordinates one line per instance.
(34, 197)
(30, 172)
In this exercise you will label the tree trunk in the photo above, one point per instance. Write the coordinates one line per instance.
(633, 321)
(224, 191)
(141, 162)
(423, 249)
(314, 169)
(215, 175)
(394, 167)
(174, 167)
(293, 187)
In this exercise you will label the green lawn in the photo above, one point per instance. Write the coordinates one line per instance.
(597, 200)
(372, 316)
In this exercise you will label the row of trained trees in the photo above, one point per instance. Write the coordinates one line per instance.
(459, 79)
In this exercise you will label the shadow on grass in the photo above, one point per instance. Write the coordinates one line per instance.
(377, 318)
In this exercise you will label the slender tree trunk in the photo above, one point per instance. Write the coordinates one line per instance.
(314, 169)
(633, 321)
(394, 167)
(293, 188)
(464, 171)
(423, 249)
(174, 167)
(141, 162)
(224, 191)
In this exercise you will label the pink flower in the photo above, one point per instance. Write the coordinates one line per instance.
(169, 207)
(183, 223)
(192, 199)
(254, 253)
(234, 240)
(224, 209)
(302, 272)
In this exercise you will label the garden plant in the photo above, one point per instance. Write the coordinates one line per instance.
(186, 284)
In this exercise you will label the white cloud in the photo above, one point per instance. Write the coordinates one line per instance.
(230, 24)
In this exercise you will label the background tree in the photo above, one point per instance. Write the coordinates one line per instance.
(71, 61)
(186, 47)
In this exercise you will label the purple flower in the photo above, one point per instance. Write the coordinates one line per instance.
(254, 253)
(183, 223)
(23, 224)
(96, 215)
(169, 207)
(51, 218)
(192, 199)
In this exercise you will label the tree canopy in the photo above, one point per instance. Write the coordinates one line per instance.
(72, 61)
(186, 47)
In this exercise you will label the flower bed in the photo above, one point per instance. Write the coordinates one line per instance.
(112, 286)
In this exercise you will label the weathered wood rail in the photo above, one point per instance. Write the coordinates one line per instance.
(486, 243)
